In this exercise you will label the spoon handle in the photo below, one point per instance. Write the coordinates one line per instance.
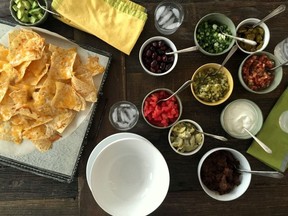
(189, 49)
(265, 147)
(214, 136)
(181, 88)
(279, 65)
(278, 10)
(273, 174)
(45, 9)
(232, 51)
(244, 40)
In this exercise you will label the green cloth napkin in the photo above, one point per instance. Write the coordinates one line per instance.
(274, 137)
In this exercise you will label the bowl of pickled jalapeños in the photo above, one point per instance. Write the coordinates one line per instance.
(185, 137)
(260, 34)
(28, 12)
(255, 75)
(210, 86)
(208, 35)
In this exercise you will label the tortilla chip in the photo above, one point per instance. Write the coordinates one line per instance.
(46, 144)
(10, 132)
(62, 61)
(4, 84)
(84, 85)
(7, 107)
(21, 70)
(93, 65)
(62, 119)
(67, 98)
(24, 45)
(3, 53)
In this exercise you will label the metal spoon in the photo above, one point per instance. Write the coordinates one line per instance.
(275, 12)
(213, 135)
(284, 63)
(265, 147)
(232, 51)
(244, 40)
(49, 11)
(181, 88)
(189, 49)
(273, 174)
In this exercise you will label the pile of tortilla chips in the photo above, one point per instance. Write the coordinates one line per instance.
(42, 88)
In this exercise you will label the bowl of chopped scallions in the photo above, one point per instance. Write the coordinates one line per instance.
(28, 12)
(209, 37)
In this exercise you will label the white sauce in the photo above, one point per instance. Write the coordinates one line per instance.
(239, 115)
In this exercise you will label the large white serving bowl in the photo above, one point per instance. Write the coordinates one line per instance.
(129, 177)
(101, 145)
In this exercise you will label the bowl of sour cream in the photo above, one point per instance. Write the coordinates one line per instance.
(240, 114)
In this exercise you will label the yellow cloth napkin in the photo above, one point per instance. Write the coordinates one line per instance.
(117, 22)
(274, 137)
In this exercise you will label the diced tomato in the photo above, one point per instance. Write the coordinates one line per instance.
(162, 114)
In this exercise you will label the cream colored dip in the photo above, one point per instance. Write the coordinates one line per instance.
(239, 115)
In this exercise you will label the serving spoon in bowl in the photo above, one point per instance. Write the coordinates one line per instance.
(272, 174)
(275, 12)
(222, 138)
(280, 65)
(181, 88)
(265, 147)
(244, 40)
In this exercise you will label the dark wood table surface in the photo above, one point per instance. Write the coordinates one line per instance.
(23, 193)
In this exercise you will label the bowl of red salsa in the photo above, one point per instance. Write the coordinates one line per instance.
(164, 114)
(255, 74)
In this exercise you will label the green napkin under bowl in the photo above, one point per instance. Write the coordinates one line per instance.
(274, 137)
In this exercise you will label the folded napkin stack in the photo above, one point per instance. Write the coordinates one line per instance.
(274, 137)
(117, 22)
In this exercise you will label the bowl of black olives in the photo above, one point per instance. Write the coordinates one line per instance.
(153, 56)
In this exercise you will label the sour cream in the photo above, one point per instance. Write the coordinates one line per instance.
(241, 114)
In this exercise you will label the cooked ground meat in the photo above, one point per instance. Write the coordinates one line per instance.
(218, 172)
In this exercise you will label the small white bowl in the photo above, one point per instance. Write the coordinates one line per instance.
(245, 178)
(238, 112)
(252, 21)
(147, 43)
(278, 74)
(149, 95)
(197, 126)
(129, 177)
(217, 18)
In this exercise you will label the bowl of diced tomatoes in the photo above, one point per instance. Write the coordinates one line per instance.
(255, 74)
(163, 114)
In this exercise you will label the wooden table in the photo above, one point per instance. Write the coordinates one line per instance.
(22, 193)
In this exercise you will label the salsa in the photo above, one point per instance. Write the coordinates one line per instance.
(256, 73)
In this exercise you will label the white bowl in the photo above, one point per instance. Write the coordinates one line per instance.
(215, 18)
(241, 113)
(101, 145)
(197, 126)
(129, 177)
(252, 21)
(169, 43)
(245, 178)
(153, 98)
(278, 74)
